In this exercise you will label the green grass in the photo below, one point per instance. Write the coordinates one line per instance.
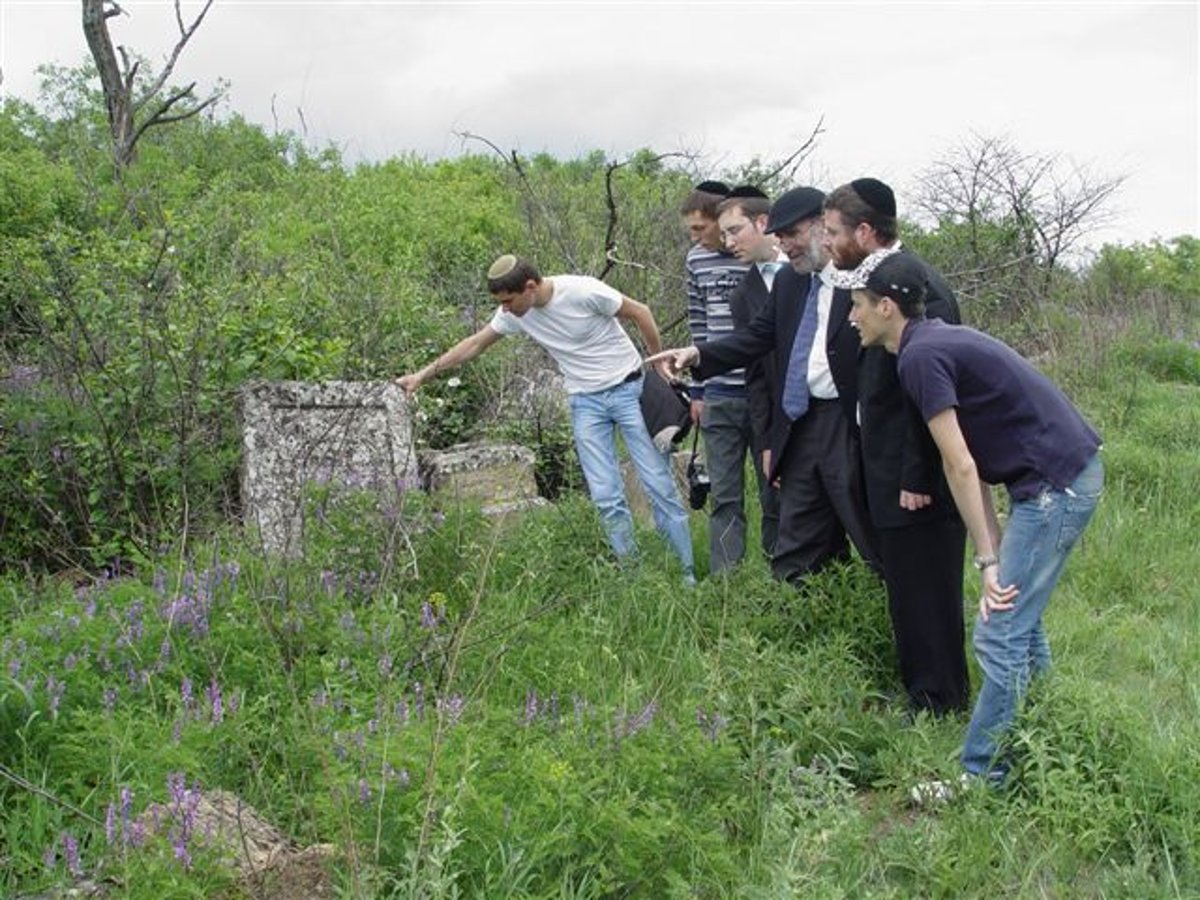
(570, 729)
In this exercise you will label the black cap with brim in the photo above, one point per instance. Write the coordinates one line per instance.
(794, 206)
(898, 276)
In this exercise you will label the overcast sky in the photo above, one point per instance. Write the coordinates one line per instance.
(1113, 86)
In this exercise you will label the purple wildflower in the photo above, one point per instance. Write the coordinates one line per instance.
(319, 698)
(418, 700)
(385, 666)
(364, 791)
(627, 726)
(126, 812)
(185, 802)
(50, 855)
(401, 711)
(452, 708)
(185, 692)
(71, 854)
(160, 582)
(428, 619)
(133, 618)
(531, 707)
(400, 776)
(55, 689)
(14, 668)
(214, 699)
(110, 699)
(110, 824)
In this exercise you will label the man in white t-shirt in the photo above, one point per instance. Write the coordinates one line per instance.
(574, 317)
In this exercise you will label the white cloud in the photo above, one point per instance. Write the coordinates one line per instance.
(1113, 85)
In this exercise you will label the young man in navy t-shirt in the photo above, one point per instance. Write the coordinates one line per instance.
(995, 420)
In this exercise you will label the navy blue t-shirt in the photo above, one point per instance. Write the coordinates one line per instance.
(1021, 429)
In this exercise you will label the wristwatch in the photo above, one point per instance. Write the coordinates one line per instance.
(982, 562)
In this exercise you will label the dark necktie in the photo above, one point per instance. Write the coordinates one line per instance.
(795, 387)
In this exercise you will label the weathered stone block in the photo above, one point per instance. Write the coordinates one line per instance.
(294, 434)
(498, 476)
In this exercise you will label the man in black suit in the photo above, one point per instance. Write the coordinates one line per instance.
(921, 538)
(814, 436)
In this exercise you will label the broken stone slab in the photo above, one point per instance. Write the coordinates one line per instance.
(296, 434)
(500, 477)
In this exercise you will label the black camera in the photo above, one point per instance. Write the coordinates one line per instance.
(698, 483)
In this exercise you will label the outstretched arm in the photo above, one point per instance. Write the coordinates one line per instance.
(464, 351)
(671, 363)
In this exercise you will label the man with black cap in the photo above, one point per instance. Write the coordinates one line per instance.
(921, 538)
(814, 441)
(719, 404)
(574, 319)
(995, 420)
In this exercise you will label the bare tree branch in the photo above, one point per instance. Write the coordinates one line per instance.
(118, 80)
(801, 153)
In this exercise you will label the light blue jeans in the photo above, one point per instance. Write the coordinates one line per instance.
(595, 417)
(1011, 645)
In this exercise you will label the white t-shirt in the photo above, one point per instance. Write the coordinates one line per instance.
(579, 330)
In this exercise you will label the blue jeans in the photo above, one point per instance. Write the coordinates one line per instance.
(1011, 645)
(594, 418)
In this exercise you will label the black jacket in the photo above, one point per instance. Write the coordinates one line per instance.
(774, 329)
(898, 451)
(748, 300)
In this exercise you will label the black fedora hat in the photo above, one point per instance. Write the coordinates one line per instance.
(794, 206)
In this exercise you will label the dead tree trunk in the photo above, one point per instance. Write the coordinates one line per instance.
(130, 115)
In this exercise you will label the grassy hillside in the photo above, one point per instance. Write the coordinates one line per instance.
(498, 711)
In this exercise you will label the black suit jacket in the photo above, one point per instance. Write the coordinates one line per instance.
(898, 451)
(762, 387)
(774, 329)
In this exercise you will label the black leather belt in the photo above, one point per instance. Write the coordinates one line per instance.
(632, 376)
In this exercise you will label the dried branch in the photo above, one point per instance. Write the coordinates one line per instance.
(800, 153)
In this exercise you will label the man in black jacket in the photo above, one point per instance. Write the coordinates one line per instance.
(921, 538)
(814, 438)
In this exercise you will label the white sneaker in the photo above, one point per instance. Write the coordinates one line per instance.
(938, 792)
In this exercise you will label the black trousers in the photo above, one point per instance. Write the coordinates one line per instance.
(821, 496)
(923, 572)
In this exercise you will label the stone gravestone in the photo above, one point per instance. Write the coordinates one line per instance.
(356, 434)
(499, 476)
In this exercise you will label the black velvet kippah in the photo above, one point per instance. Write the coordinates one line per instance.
(747, 190)
(877, 195)
(720, 188)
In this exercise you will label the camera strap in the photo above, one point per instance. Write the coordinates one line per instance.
(695, 437)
